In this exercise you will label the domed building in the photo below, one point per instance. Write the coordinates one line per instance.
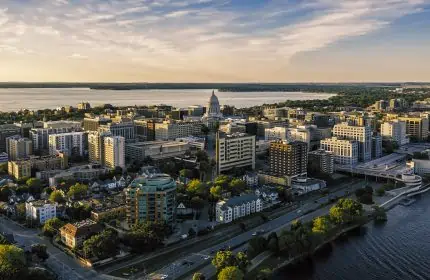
(213, 112)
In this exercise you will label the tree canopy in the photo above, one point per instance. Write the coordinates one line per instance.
(51, 226)
(77, 191)
(12, 263)
(102, 245)
(231, 273)
(57, 196)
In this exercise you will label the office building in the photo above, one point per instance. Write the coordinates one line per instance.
(156, 150)
(321, 161)
(237, 207)
(289, 159)
(7, 130)
(170, 129)
(262, 124)
(125, 129)
(416, 127)
(74, 235)
(114, 151)
(178, 113)
(4, 158)
(40, 210)
(362, 134)
(71, 143)
(18, 147)
(235, 150)
(376, 146)
(196, 143)
(93, 124)
(151, 198)
(395, 131)
(300, 133)
(76, 125)
(273, 113)
(276, 133)
(196, 110)
(145, 129)
(84, 106)
(345, 151)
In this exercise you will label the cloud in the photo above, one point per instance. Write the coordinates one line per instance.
(204, 35)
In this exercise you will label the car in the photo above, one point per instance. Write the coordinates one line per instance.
(254, 234)
(126, 274)
(206, 258)
(163, 276)
(299, 211)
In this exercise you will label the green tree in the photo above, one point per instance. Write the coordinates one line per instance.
(265, 274)
(5, 192)
(197, 203)
(145, 236)
(102, 245)
(34, 185)
(77, 191)
(12, 263)
(57, 196)
(256, 246)
(224, 259)
(242, 261)
(196, 187)
(52, 226)
(40, 251)
(186, 173)
(231, 273)
(321, 225)
(273, 245)
(345, 211)
(3, 240)
(237, 186)
(223, 181)
(199, 276)
(216, 191)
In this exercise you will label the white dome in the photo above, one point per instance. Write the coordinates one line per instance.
(213, 109)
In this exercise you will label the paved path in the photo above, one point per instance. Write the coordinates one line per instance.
(66, 267)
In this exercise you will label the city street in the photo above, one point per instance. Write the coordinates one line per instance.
(188, 264)
(66, 267)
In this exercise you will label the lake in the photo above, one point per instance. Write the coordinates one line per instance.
(396, 250)
(51, 98)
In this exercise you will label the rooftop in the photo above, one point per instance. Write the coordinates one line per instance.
(239, 200)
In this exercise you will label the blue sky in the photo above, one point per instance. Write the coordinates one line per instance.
(215, 41)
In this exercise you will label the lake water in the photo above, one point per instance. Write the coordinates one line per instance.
(15, 99)
(397, 250)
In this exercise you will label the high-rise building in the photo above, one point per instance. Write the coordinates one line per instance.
(84, 106)
(151, 198)
(7, 130)
(300, 133)
(345, 151)
(416, 127)
(362, 134)
(321, 161)
(288, 159)
(376, 146)
(235, 150)
(395, 131)
(114, 151)
(71, 143)
(96, 146)
(125, 129)
(170, 129)
(145, 129)
(18, 147)
(40, 137)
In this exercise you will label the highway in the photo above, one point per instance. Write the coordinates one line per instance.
(191, 262)
(66, 267)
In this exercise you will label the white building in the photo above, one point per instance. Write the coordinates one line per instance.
(362, 134)
(276, 133)
(40, 210)
(235, 150)
(251, 179)
(302, 186)
(420, 166)
(237, 207)
(63, 125)
(155, 149)
(301, 133)
(395, 131)
(71, 143)
(171, 129)
(114, 152)
(345, 152)
(194, 142)
(213, 112)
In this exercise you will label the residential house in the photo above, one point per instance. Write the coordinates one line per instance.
(237, 207)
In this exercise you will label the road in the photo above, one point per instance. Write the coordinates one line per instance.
(66, 267)
(191, 262)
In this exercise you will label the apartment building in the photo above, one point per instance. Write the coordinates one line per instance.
(125, 129)
(7, 130)
(289, 159)
(71, 143)
(22, 168)
(345, 151)
(151, 198)
(40, 136)
(234, 150)
(237, 207)
(114, 151)
(155, 150)
(276, 133)
(41, 210)
(74, 235)
(18, 147)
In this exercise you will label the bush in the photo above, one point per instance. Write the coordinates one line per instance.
(380, 191)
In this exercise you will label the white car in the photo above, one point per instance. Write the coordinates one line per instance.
(163, 276)
(299, 211)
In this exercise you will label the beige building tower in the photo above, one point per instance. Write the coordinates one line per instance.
(114, 151)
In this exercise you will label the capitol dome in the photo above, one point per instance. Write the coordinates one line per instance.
(213, 109)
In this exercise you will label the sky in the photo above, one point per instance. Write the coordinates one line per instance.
(214, 40)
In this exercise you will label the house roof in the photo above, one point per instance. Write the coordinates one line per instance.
(82, 228)
(239, 200)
